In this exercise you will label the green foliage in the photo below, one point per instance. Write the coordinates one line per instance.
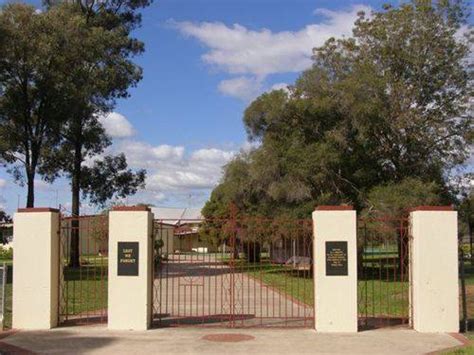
(4, 217)
(395, 199)
(31, 94)
(6, 253)
(376, 109)
(60, 70)
(109, 178)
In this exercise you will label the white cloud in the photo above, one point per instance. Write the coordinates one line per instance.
(173, 173)
(200, 169)
(148, 156)
(117, 125)
(242, 87)
(279, 86)
(252, 55)
(3, 183)
(212, 155)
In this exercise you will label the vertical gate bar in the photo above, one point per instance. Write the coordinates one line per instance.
(231, 286)
(382, 319)
(209, 278)
(266, 287)
(216, 275)
(298, 252)
(292, 270)
(364, 267)
(73, 282)
(306, 274)
(87, 265)
(261, 292)
(191, 281)
(247, 276)
(221, 283)
(285, 276)
(273, 298)
(254, 266)
(387, 280)
(401, 270)
(179, 315)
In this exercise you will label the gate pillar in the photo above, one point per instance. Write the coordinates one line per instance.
(130, 268)
(434, 269)
(36, 269)
(335, 269)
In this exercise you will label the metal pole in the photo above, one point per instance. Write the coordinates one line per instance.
(463, 293)
(4, 278)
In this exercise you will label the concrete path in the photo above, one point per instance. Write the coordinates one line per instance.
(198, 289)
(99, 340)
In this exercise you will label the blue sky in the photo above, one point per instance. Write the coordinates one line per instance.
(204, 62)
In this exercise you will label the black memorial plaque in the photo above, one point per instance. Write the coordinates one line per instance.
(127, 259)
(336, 259)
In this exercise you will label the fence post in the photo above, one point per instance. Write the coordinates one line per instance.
(36, 268)
(335, 269)
(130, 268)
(434, 269)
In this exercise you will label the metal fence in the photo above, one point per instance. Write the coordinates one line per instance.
(466, 290)
(3, 284)
(383, 272)
(236, 272)
(83, 269)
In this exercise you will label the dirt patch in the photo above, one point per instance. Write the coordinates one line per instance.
(228, 337)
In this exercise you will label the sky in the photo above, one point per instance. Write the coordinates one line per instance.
(204, 62)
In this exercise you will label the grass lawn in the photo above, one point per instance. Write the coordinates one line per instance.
(464, 350)
(376, 298)
(85, 288)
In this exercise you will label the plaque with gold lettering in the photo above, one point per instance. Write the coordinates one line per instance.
(127, 259)
(336, 259)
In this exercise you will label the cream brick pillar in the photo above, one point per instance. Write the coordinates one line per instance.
(36, 268)
(434, 269)
(130, 268)
(335, 269)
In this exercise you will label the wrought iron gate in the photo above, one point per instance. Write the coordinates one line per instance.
(83, 280)
(237, 272)
(383, 272)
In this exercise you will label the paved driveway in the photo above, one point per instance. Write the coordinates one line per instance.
(199, 289)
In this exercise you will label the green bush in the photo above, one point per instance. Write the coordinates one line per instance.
(6, 253)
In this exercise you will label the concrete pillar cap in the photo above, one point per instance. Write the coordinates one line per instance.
(37, 209)
(131, 208)
(334, 208)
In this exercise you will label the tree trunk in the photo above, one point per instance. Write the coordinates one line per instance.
(30, 198)
(252, 251)
(75, 208)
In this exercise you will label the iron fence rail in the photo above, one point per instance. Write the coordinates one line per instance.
(83, 286)
(236, 272)
(383, 272)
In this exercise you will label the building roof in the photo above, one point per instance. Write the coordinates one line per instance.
(177, 216)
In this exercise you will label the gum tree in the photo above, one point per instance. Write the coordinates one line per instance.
(389, 103)
(101, 71)
(31, 89)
